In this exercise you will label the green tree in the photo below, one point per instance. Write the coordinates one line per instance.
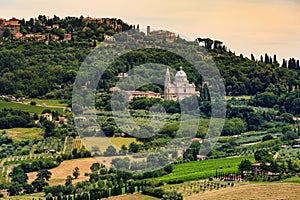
(76, 172)
(263, 156)
(44, 174)
(39, 184)
(234, 126)
(6, 33)
(28, 188)
(68, 181)
(14, 189)
(110, 151)
(95, 167)
(133, 147)
(245, 165)
(49, 128)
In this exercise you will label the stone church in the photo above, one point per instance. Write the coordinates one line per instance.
(180, 88)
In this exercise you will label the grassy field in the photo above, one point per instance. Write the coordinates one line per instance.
(19, 134)
(26, 107)
(236, 97)
(27, 197)
(267, 191)
(48, 102)
(103, 142)
(291, 180)
(204, 169)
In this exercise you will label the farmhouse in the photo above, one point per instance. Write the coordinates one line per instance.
(48, 116)
(260, 168)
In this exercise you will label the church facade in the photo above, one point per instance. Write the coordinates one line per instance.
(180, 88)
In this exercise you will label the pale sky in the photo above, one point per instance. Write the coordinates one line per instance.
(245, 26)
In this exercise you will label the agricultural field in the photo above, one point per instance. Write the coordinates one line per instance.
(49, 102)
(104, 142)
(252, 137)
(65, 169)
(3, 174)
(267, 191)
(26, 107)
(204, 168)
(132, 197)
(18, 134)
(47, 144)
(286, 154)
(196, 187)
(26, 197)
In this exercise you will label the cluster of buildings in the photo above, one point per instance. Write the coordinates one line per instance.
(177, 90)
(162, 34)
(60, 120)
(14, 27)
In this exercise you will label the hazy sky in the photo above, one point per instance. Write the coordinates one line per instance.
(246, 26)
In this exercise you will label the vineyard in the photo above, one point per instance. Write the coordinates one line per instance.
(196, 187)
(68, 145)
(204, 169)
(3, 174)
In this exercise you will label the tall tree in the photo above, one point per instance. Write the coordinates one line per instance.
(76, 172)
(44, 174)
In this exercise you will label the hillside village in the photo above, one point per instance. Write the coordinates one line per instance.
(14, 27)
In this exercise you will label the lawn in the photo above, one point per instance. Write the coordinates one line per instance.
(204, 168)
(19, 134)
(104, 142)
(26, 107)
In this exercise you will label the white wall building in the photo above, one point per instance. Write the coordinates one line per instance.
(180, 88)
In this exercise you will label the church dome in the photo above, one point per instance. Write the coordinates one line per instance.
(180, 73)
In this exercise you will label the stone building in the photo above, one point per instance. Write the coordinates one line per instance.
(180, 88)
(12, 25)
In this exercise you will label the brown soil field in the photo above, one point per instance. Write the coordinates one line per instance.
(65, 169)
(266, 191)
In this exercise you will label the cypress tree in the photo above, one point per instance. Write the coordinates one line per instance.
(284, 64)
(267, 60)
(275, 58)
